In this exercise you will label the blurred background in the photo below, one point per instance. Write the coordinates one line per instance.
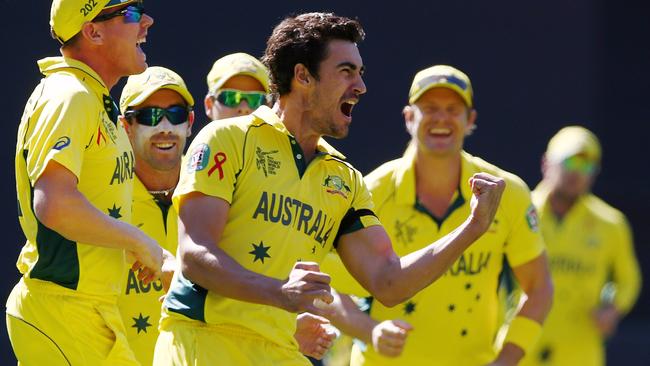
(535, 67)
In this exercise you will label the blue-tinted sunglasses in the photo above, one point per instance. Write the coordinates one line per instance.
(131, 14)
(151, 116)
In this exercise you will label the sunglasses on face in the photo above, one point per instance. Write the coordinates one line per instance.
(579, 164)
(131, 14)
(232, 97)
(151, 116)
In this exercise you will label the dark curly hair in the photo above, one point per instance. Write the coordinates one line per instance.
(303, 39)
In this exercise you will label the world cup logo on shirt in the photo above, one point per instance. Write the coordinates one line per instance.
(199, 158)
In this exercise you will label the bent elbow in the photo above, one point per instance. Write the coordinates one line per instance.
(47, 212)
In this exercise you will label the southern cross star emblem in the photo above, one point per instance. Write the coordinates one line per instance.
(114, 212)
(141, 323)
(409, 308)
(260, 252)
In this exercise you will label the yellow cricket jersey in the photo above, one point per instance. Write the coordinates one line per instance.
(281, 211)
(456, 318)
(590, 246)
(139, 303)
(70, 118)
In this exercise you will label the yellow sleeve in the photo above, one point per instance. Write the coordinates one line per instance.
(626, 273)
(342, 280)
(524, 241)
(212, 163)
(61, 132)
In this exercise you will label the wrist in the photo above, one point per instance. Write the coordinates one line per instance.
(475, 227)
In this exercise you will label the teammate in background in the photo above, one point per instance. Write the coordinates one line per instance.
(74, 176)
(238, 84)
(595, 271)
(264, 197)
(158, 118)
(420, 198)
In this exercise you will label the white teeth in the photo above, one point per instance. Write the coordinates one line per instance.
(164, 146)
(439, 131)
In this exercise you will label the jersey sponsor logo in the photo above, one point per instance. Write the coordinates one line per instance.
(293, 213)
(336, 185)
(266, 162)
(110, 128)
(123, 168)
(532, 219)
(404, 232)
(572, 265)
(135, 286)
(61, 143)
(470, 264)
(199, 158)
(219, 159)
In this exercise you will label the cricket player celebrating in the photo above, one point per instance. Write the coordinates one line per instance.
(420, 198)
(263, 198)
(595, 271)
(74, 176)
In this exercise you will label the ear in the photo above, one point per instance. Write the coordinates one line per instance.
(93, 32)
(190, 124)
(544, 165)
(408, 114)
(208, 103)
(302, 75)
(126, 124)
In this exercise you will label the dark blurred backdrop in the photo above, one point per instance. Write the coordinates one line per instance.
(535, 67)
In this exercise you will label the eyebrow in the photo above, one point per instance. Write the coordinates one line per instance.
(352, 66)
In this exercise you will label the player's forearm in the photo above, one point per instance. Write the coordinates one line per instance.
(71, 215)
(350, 319)
(419, 269)
(216, 271)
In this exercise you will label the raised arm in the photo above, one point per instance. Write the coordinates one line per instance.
(369, 257)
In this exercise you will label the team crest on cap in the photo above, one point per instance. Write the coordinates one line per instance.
(336, 185)
(243, 65)
(199, 158)
(160, 77)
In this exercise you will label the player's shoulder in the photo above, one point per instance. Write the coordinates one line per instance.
(514, 184)
(381, 181)
(603, 210)
(67, 88)
(230, 128)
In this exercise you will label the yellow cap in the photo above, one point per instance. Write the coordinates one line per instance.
(68, 16)
(573, 140)
(140, 87)
(441, 76)
(236, 64)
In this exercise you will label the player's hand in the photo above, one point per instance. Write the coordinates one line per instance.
(305, 285)
(148, 259)
(167, 270)
(606, 318)
(314, 334)
(389, 337)
(486, 196)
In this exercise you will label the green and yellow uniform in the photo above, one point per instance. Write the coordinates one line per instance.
(589, 246)
(455, 319)
(139, 303)
(67, 297)
(281, 211)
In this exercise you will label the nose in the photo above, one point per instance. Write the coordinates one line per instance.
(360, 87)
(146, 21)
(165, 126)
(244, 109)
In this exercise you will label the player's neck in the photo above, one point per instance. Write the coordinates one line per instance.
(292, 116)
(104, 69)
(157, 180)
(560, 204)
(437, 177)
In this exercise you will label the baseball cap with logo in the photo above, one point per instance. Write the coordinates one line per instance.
(140, 87)
(573, 140)
(441, 76)
(68, 16)
(236, 64)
